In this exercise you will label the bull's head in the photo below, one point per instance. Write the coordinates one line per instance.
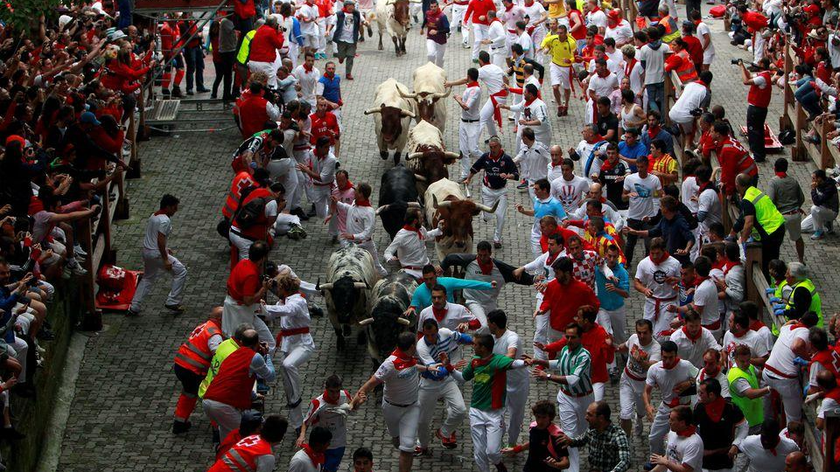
(384, 326)
(391, 121)
(432, 164)
(401, 13)
(426, 103)
(345, 294)
(458, 215)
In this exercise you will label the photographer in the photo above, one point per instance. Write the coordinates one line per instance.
(695, 95)
(264, 45)
(256, 110)
(758, 100)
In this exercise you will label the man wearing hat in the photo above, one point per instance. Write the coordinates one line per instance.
(437, 29)
(348, 26)
(618, 28)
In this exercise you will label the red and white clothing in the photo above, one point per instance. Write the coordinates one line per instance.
(542, 266)
(569, 192)
(409, 248)
(828, 359)
(692, 349)
(751, 339)
(476, 14)
(492, 76)
(338, 218)
(720, 377)
(764, 460)
(655, 275)
(706, 302)
(361, 220)
(321, 189)
(434, 389)
(621, 32)
(518, 384)
(250, 453)
(584, 268)
(326, 125)
(307, 79)
(666, 380)
(449, 317)
(332, 416)
(306, 460)
(632, 382)
(686, 448)
(781, 373)
(399, 398)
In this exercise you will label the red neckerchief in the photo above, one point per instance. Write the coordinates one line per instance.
(402, 361)
(729, 265)
(486, 269)
(550, 259)
(477, 361)
(472, 84)
(781, 175)
(326, 397)
(706, 375)
(159, 212)
(628, 68)
(693, 339)
(756, 325)
(688, 432)
(704, 186)
(676, 363)
(698, 81)
(510, 7)
(495, 20)
(529, 102)
(608, 166)
(595, 10)
(316, 458)
(345, 10)
(664, 258)
(326, 76)
(797, 326)
(719, 265)
(362, 203)
(495, 158)
(439, 313)
(714, 410)
(307, 68)
(652, 132)
(603, 74)
(347, 186)
(416, 230)
(595, 139)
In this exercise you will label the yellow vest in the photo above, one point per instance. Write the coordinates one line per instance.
(225, 349)
(766, 213)
(816, 303)
(245, 49)
(753, 410)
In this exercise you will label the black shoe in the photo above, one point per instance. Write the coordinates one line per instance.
(311, 212)
(190, 93)
(299, 213)
(165, 92)
(180, 427)
(176, 92)
(213, 96)
(202, 90)
(176, 309)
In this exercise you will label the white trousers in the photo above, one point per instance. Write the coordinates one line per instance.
(614, 321)
(487, 429)
(430, 392)
(598, 391)
(321, 200)
(820, 216)
(19, 350)
(242, 244)
(290, 363)
(661, 319)
(486, 117)
(283, 171)
(468, 134)
(370, 247)
(517, 397)
(659, 429)
(536, 39)
(234, 314)
(479, 33)
(489, 197)
(152, 269)
(269, 68)
(304, 182)
(790, 391)
(498, 56)
(572, 414)
(285, 222)
(402, 423)
(480, 311)
(227, 418)
(457, 20)
(541, 333)
(435, 52)
(630, 398)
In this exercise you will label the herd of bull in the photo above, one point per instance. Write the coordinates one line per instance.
(353, 292)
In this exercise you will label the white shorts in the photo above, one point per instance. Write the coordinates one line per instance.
(311, 40)
(630, 397)
(560, 76)
(402, 422)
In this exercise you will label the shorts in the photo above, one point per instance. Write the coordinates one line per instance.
(793, 225)
(560, 76)
(310, 40)
(402, 423)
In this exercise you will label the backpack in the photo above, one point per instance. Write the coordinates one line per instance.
(248, 215)
(223, 226)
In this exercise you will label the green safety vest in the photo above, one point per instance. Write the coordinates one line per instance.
(753, 410)
(779, 293)
(816, 303)
(225, 349)
(766, 213)
(245, 49)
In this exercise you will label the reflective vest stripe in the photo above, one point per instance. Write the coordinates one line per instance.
(243, 464)
(766, 213)
(192, 362)
(203, 355)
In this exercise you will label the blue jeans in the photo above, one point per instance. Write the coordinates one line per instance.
(656, 96)
(332, 459)
(194, 57)
(807, 96)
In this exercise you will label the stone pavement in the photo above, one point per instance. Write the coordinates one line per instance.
(126, 392)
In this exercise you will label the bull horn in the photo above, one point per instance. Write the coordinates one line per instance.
(318, 284)
(444, 204)
(326, 286)
(486, 208)
(366, 321)
(442, 95)
(382, 208)
(411, 96)
(414, 204)
(407, 113)
(419, 178)
(453, 155)
(401, 321)
(360, 285)
(373, 110)
(413, 155)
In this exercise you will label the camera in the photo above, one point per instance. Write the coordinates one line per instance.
(696, 112)
(737, 62)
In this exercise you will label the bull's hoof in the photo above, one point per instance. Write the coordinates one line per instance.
(380, 47)
(361, 338)
(346, 330)
(396, 158)
(383, 155)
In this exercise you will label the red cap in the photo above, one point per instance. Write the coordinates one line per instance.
(812, 9)
(614, 16)
(17, 138)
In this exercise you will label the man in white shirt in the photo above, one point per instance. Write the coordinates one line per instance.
(497, 40)
(484, 268)
(569, 188)
(361, 220)
(307, 76)
(601, 84)
(704, 34)
(534, 114)
(537, 16)
(705, 301)
(307, 15)
(157, 258)
(595, 16)
(642, 352)
(323, 165)
(409, 245)
(685, 447)
(509, 344)
(619, 29)
(781, 372)
(693, 340)
(451, 316)
(765, 451)
(533, 159)
(523, 39)
(459, 7)
(672, 376)
(470, 128)
(713, 370)
(642, 190)
(693, 96)
(740, 334)
(494, 79)
(513, 13)
(656, 278)
(400, 375)
(652, 56)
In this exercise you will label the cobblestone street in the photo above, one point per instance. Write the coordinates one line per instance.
(125, 396)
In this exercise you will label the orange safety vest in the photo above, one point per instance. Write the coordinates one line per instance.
(195, 355)
(243, 456)
(242, 181)
(686, 71)
(746, 164)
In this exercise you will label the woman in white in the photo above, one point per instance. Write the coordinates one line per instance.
(296, 345)
(631, 114)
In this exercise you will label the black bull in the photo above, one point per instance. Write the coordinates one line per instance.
(389, 299)
(397, 192)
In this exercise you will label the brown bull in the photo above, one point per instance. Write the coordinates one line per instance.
(430, 165)
(449, 203)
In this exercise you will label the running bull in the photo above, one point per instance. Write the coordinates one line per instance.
(392, 118)
(427, 154)
(397, 193)
(446, 201)
(429, 90)
(390, 297)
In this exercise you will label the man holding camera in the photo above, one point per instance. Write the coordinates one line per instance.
(694, 97)
(264, 45)
(758, 99)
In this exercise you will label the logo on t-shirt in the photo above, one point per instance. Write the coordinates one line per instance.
(643, 191)
(659, 276)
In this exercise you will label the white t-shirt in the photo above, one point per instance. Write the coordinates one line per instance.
(652, 351)
(472, 99)
(655, 276)
(643, 204)
(709, 202)
(691, 98)
(301, 462)
(347, 37)
(402, 381)
(156, 224)
(569, 192)
(492, 76)
(534, 13)
(309, 12)
(692, 351)
(504, 342)
(762, 460)
(537, 110)
(751, 339)
(654, 60)
(689, 189)
(709, 52)
(327, 415)
(635, 74)
(598, 18)
(622, 33)
(706, 296)
(722, 380)
(781, 357)
(455, 315)
(307, 82)
(827, 404)
(687, 451)
(603, 86)
(666, 379)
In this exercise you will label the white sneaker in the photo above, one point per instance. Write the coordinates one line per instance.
(77, 250)
(75, 267)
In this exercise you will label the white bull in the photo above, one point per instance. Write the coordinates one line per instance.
(445, 200)
(392, 118)
(428, 81)
(426, 153)
(392, 16)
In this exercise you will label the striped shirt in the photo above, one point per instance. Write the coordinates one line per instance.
(577, 368)
(447, 341)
